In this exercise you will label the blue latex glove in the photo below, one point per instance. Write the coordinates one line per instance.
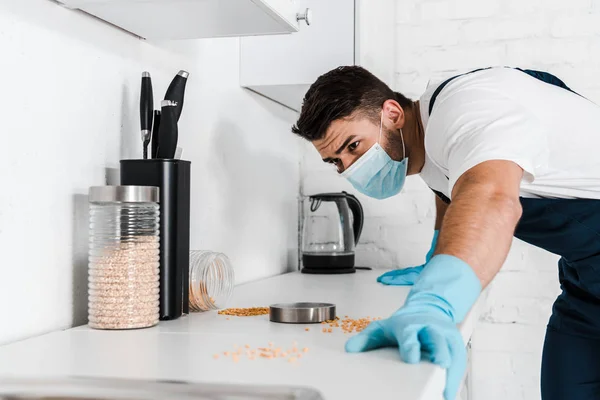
(408, 276)
(425, 327)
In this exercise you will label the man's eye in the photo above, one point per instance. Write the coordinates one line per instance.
(353, 146)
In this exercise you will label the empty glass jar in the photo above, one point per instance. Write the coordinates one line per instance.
(123, 279)
(211, 280)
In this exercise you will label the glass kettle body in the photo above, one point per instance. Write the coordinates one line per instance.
(332, 227)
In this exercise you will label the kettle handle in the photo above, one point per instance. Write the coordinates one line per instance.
(357, 214)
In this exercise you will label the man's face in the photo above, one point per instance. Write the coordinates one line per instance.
(347, 139)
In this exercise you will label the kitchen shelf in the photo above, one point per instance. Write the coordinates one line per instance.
(192, 19)
(282, 68)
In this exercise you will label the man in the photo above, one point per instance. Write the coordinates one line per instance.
(507, 151)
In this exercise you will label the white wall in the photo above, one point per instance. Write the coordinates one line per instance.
(441, 38)
(69, 106)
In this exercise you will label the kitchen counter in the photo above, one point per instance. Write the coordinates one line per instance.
(183, 349)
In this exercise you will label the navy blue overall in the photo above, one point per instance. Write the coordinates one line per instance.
(571, 229)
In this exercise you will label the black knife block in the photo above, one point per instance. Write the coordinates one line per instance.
(173, 179)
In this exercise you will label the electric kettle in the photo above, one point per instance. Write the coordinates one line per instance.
(332, 226)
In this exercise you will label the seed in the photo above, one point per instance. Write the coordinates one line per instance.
(247, 346)
(226, 353)
(245, 312)
(307, 329)
(216, 356)
(305, 350)
(292, 359)
(329, 330)
(324, 330)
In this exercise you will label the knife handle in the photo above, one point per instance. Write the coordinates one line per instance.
(167, 132)
(155, 127)
(176, 91)
(146, 106)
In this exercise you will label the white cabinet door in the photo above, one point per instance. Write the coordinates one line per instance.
(191, 19)
(283, 67)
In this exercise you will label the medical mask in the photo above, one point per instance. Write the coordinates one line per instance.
(375, 174)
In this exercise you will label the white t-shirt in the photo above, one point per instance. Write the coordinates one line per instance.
(505, 114)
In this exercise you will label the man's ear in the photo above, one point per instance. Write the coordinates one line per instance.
(394, 114)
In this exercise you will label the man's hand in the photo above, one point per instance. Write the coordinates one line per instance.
(420, 334)
(408, 276)
(425, 327)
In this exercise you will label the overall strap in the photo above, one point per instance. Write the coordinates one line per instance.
(443, 85)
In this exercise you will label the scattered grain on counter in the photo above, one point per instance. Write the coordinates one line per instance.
(349, 325)
(245, 312)
(264, 353)
(307, 329)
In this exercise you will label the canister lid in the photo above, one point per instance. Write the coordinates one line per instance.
(302, 313)
(123, 194)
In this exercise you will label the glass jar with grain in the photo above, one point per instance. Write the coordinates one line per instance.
(211, 280)
(123, 280)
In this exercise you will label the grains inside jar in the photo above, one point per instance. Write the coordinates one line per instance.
(124, 284)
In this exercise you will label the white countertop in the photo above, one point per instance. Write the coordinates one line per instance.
(183, 349)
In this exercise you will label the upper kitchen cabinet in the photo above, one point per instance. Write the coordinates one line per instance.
(282, 68)
(191, 19)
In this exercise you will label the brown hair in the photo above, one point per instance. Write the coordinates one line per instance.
(340, 93)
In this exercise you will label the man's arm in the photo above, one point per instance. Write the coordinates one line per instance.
(440, 212)
(481, 220)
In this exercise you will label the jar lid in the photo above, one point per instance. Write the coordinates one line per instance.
(302, 313)
(123, 194)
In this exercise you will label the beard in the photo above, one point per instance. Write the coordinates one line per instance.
(393, 144)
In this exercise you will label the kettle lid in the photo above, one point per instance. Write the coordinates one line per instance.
(329, 196)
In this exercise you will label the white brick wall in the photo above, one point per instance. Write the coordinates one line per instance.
(440, 38)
